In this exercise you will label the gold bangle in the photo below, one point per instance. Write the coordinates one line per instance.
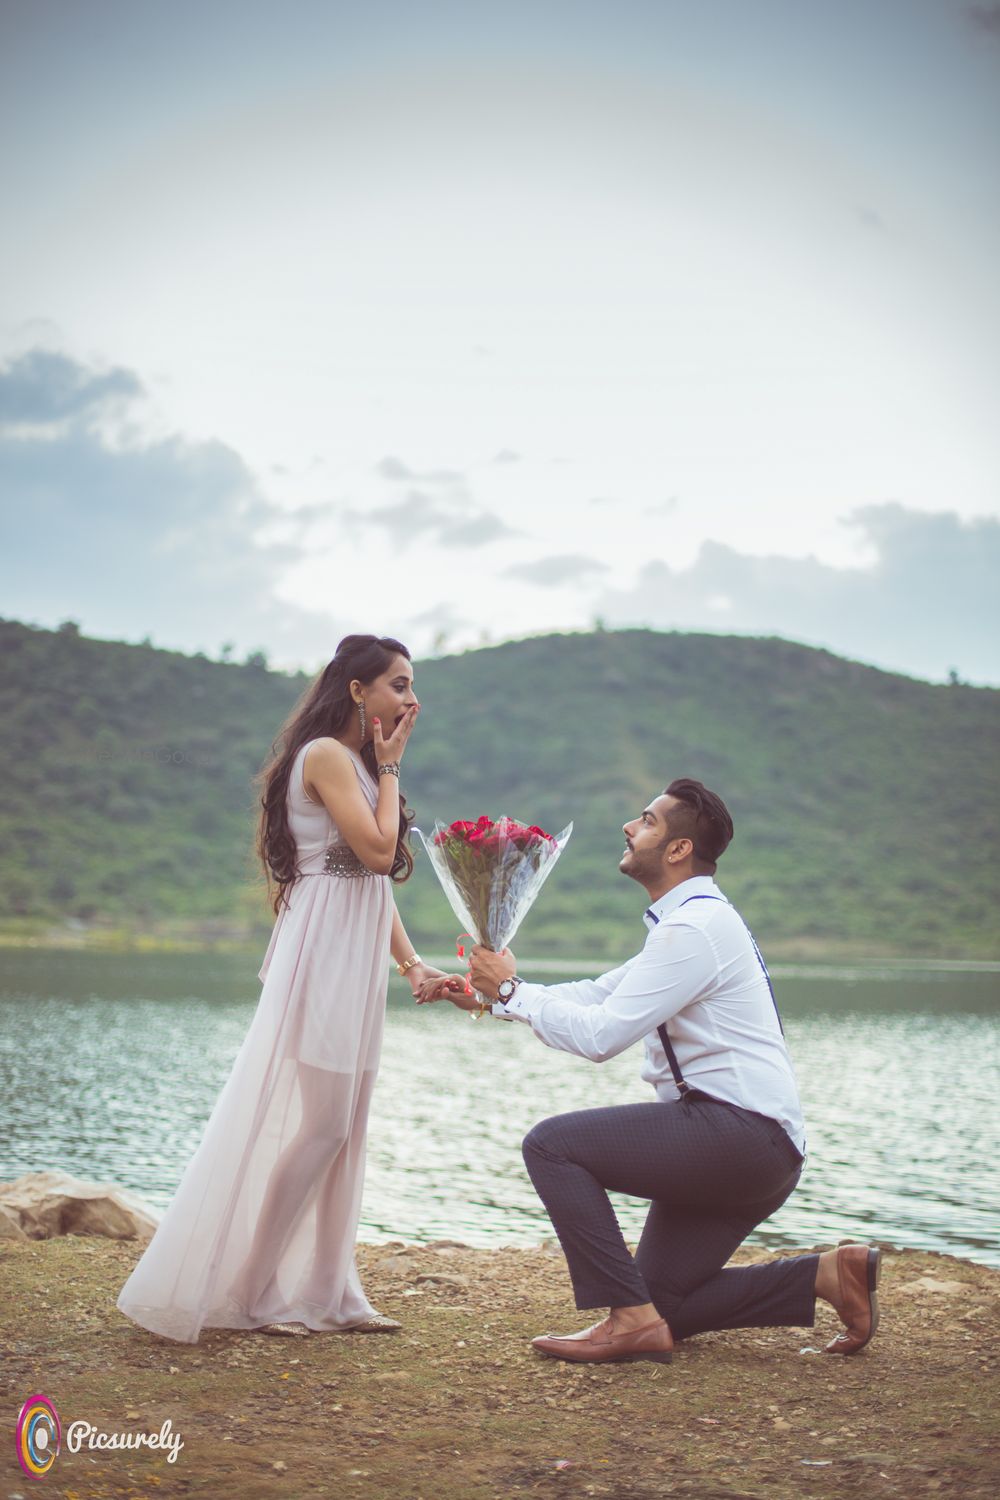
(410, 963)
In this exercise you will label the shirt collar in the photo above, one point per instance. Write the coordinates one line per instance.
(698, 885)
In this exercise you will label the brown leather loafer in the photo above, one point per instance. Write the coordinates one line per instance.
(598, 1345)
(858, 1269)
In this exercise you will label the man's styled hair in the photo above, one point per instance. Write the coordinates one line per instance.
(703, 818)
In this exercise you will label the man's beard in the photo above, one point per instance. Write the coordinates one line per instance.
(641, 866)
(631, 865)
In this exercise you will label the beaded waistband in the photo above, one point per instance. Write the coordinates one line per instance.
(340, 859)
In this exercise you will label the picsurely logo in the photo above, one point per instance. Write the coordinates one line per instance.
(38, 1437)
(85, 1434)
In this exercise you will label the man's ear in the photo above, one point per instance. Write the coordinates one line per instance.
(678, 850)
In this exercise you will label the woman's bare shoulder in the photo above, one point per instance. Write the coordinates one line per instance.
(329, 760)
(327, 754)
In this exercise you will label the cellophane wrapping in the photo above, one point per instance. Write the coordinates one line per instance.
(491, 872)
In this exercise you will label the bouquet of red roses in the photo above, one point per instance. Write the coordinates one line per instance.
(491, 872)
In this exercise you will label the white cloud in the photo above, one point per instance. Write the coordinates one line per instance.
(43, 389)
(451, 519)
(150, 537)
(176, 538)
(567, 567)
(927, 603)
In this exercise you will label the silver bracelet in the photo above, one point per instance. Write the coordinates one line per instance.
(391, 768)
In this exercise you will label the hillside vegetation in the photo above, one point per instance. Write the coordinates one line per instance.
(865, 803)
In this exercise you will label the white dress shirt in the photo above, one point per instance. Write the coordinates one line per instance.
(699, 972)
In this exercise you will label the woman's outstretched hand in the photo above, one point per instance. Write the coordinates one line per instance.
(422, 974)
(440, 988)
(448, 987)
(392, 748)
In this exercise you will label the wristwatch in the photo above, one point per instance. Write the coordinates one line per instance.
(506, 988)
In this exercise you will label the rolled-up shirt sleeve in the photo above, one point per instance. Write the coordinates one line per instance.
(674, 968)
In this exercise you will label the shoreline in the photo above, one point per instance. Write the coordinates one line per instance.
(792, 958)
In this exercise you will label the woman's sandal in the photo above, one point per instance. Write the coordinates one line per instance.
(377, 1324)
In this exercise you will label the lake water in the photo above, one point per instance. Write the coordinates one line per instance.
(110, 1065)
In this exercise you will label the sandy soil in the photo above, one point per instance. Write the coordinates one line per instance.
(458, 1405)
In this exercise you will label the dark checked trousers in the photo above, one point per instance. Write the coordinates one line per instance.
(712, 1172)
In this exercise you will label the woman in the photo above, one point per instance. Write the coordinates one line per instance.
(260, 1233)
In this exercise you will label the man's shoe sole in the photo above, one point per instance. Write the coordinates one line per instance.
(659, 1357)
(874, 1272)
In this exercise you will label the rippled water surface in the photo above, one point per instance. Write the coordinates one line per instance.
(110, 1066)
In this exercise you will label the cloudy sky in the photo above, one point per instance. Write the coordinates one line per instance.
(468, 321)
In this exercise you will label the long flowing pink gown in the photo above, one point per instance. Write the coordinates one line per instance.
(277, 1176)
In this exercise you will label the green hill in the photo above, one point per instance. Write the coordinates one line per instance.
(865, 803)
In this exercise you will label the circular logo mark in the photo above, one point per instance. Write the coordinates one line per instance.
(37, 1436)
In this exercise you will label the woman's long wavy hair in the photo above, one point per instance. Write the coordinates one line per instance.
(324, 708)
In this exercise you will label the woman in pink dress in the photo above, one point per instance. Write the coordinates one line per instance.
(260, 1232)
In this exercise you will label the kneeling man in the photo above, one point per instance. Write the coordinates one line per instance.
(722, 1146)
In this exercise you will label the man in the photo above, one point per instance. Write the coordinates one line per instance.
(723, 1145)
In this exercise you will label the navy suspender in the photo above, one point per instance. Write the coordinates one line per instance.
(682, 1087)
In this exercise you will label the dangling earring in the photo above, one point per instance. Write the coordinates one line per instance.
(364, 720)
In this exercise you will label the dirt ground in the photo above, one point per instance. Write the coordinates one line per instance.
(458, 1405)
